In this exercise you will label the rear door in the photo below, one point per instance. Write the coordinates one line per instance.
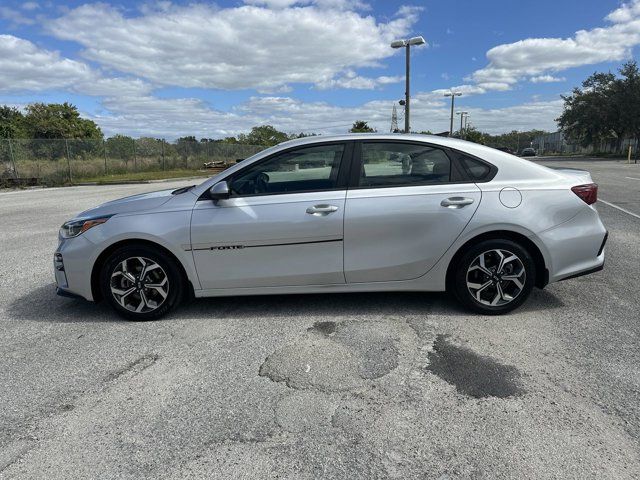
(407, 203)
(282, 226)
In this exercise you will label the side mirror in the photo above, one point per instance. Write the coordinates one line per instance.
(220, 191)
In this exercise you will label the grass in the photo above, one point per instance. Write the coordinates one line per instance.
(144, 176)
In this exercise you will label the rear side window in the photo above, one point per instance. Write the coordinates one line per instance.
(390, 164)
(477, 170)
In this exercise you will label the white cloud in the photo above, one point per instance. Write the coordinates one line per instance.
(351, 80)
(546, 79)
(15, 17)
(537, 57)
(26, 67)
(336, 4)
(172, 118)
(30, 6)
(248, 46)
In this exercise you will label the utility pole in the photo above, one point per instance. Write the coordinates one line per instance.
(462, 114)
(13, 159)
(162, 146)
(104, 149)
(407, 93)
(453, 95)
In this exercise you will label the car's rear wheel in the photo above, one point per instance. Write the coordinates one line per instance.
(141, 283)
(494, 276)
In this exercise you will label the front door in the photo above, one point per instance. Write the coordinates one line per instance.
(282, 226)
(403, 212)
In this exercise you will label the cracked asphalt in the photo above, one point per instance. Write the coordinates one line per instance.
(350, 386)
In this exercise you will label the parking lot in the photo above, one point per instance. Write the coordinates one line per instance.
(393, 385)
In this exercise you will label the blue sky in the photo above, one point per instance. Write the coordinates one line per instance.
(217, 68)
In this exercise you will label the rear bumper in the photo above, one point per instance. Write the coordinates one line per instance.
(586, 272)
(576, 247)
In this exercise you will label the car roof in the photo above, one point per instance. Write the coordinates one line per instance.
(419, 137)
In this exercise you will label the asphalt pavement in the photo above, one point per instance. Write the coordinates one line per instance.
(350, 386)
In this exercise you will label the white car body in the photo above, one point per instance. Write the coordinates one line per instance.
(393, 238)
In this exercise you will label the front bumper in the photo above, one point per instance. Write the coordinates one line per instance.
(72, 264)
(66, 293)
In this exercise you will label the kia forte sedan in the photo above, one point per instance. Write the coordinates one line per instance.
(350, 213)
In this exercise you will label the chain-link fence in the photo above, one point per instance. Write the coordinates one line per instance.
(60, 161)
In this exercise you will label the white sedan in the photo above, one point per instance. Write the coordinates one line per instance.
(349, 213)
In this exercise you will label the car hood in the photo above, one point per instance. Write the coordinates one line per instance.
(134, 203)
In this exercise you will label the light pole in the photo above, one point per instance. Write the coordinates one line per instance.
(407, 45)
(462, 114)
(453, 95)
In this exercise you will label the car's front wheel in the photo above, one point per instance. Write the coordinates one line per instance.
(494, 276)
(141, 283)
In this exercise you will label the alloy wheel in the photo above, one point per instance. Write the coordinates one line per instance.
(139, 284)
(496, 277)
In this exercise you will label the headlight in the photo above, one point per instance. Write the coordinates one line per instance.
(73, 228)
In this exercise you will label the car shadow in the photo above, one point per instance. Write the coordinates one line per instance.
(43, 305)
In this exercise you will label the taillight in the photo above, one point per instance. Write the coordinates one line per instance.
(588, 193)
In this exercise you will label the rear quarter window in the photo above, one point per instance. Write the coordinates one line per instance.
(477, 170)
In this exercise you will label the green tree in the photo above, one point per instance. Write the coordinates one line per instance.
(472, 134)
(360, 126)
(606, 107)
(589, 115)
(232, 140)
(11, 122)
(627, 99)
(264, 135)
(55, 120)
(515, 140)
(148, 147)
(120, 147)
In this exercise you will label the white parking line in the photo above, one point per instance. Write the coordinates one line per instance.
(633, 178)
(619, 208)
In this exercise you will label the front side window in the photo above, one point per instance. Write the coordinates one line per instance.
(402, 164)
(305, 169)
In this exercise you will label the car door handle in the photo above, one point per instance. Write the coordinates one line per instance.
(456, 202)
(321, 210)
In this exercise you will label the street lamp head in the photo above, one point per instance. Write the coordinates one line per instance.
(453, 94)
(419, 40)
(412, 41)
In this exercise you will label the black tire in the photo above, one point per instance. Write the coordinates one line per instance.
(175, 285)
(508, 288)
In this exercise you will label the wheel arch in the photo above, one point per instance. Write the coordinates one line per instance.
(542, 270)
(98, 264)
